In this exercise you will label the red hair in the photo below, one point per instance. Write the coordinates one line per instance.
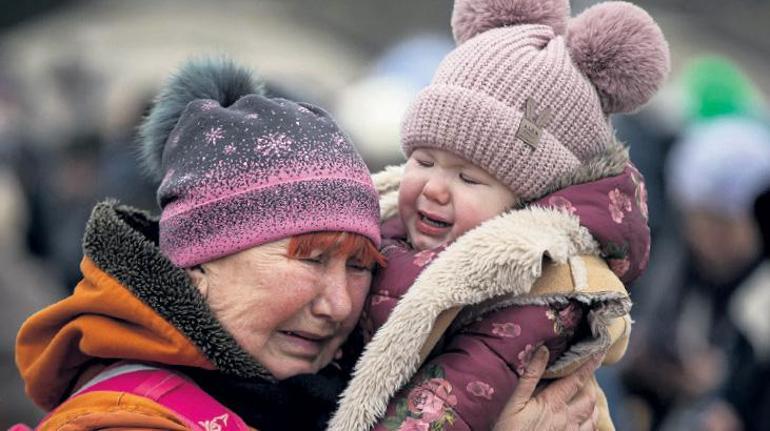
(341, 243)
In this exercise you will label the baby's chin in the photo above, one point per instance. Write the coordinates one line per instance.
(422, 242)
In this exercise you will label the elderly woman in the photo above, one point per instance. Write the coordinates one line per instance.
(227, 312)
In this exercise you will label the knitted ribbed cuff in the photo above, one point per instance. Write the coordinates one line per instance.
(483, 130)
(209, 231)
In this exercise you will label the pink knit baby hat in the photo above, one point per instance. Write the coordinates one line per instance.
(239, 169)
(528, 92)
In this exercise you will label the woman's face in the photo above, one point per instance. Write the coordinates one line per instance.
(291, 314)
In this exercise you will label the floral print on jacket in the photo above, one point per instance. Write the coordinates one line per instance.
(614, 210)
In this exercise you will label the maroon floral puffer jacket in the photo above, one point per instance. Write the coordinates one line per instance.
(539, 261)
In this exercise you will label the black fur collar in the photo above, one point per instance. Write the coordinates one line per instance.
(123, 242)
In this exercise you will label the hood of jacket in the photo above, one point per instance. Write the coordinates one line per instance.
(538, 254)
(131, 304)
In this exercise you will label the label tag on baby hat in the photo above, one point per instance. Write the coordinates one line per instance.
(531, 126)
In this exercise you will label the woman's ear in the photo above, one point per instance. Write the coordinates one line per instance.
(198, 279)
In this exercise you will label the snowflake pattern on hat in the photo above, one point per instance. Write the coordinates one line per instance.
(273, 144)
(214, 135)
(256, 171)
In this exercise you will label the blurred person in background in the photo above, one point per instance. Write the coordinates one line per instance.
(25, 286)
(708, 87)
(26, 283)
(704, 337)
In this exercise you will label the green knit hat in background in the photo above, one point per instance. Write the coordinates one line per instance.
(716, 86)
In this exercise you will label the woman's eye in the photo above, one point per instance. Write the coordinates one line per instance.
(358, 266)
(424, 163)
(468, 180)
(312, 259)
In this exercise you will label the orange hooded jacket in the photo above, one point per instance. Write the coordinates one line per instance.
(132, 304)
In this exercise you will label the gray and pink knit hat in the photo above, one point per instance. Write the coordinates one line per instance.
(528, 92)
(239, 169)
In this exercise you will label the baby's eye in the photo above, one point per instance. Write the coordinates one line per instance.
(424, 163)
(468, 180)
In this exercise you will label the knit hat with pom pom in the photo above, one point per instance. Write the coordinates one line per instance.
(239, 169)
(527, 93)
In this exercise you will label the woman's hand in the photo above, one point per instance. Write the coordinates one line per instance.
(566, 404)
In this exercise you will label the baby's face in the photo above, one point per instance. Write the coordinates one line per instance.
(443, 196)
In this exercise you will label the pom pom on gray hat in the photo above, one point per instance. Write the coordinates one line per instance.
(216, 78)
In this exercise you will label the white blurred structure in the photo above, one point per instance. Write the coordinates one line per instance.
(98, 61)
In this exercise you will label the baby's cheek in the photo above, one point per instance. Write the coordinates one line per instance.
(470, 218)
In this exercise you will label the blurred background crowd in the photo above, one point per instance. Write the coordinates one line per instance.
(75, 78)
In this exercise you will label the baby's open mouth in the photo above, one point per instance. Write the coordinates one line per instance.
(434, 222)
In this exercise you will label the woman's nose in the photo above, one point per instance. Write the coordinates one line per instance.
(436, 189)
(334, 301)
